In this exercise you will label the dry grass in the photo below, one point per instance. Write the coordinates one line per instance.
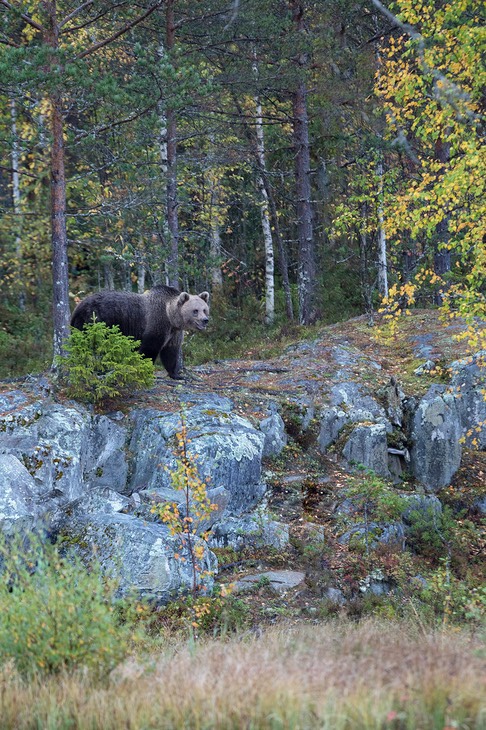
(339, 676)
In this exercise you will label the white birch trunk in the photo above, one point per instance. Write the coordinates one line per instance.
(164, 167)
(382, 257)
(265, 215)
(16, 201)
(215, 241)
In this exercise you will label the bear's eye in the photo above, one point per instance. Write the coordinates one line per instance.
(195, 311)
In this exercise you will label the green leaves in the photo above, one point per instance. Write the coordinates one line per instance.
(102, 363)
(54, 613)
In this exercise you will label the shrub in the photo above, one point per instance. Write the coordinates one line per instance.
(54, 613)
(100, 362)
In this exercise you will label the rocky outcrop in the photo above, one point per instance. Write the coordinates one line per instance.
(93, 479)
(350, 403)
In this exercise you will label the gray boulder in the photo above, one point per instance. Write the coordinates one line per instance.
(374, 533)
(424, 504)
(468, 383)
(254, 530)
(105, 460)
(367, 446)
(17, 495)
(278, 580)
(67, 451)
(435, 454)
(332, 421)
(139, 556)
(226, 448)
(350, 403)
(273, 428)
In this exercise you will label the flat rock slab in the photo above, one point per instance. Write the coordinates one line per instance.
(279, 580)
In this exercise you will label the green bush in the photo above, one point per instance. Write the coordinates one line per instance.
(55, 614)
(100, 362)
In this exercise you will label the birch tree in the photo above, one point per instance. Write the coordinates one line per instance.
(264, 211)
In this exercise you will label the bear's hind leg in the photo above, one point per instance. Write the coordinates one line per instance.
(150, 347)
(171, 357)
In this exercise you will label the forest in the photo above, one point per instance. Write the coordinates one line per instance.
(303, 161)
(292, 534)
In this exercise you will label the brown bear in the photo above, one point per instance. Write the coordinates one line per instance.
(157, 318)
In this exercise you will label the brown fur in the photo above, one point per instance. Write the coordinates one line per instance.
(157, 318)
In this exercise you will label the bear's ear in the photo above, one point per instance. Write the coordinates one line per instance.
(182, 298)
(204, 295)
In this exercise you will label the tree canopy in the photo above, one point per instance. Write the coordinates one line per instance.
(304, 155)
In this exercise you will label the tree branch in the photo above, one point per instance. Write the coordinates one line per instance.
(8, 42)
(25, 17)
(450, 91)
(19, 172)
(93, 19)
(75, 12)
(119, 33)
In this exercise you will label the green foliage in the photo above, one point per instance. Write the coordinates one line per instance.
(25, 342)
(434, 100)
(430, 531)
(452, 600)
(55, 614)
(102, 363)
(375, 504)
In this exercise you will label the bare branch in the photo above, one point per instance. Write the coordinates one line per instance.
(19, 172)
(75, 12)
(409, 30)
(8, 42)
(25, 17)
(93, 19)
(121, 32)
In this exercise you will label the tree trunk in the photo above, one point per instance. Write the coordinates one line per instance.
(16, 204)
(60, 271)
(172, 212)
(363, 257)
(265, 216)
(215, 241)
(141, 263)
(163, 235)
(109, 279)
(306, 252)
(282, 254)
(442, 255)
(382, 258)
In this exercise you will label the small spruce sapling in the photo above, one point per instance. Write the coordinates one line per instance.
(100, 362)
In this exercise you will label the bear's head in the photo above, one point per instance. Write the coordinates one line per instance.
(193, 310)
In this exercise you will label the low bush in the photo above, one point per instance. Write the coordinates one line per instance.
(55, 614)
(100, 363)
